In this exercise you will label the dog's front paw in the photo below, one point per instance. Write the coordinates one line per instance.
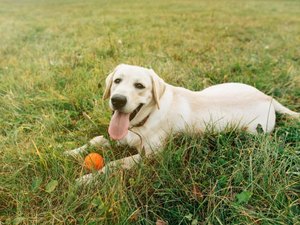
(89, 178)
(86, 179)
(100, 141)
(76, 151)
(71, 153)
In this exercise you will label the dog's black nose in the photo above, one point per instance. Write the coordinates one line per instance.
(118, 101)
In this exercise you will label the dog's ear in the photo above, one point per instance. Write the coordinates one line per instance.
(158, 87)
(108, 83)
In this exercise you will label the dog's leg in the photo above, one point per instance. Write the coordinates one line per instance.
(98, 141)
(125, 163)
(145, 150)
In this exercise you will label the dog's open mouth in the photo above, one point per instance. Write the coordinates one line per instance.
(119, 123)
(133, 114)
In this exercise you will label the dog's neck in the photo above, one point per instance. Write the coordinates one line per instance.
(143, 116)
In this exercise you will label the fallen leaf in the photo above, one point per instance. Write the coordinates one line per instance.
(51, 186)
(243, 197)
(197, 194)
(161, 222)
(189, 217)
(194, 222)
(134, 216)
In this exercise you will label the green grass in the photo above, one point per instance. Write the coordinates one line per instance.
(53, 54)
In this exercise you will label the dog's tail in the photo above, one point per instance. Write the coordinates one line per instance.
(283, 110)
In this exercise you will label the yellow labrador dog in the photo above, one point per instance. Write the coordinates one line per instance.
(147, 110)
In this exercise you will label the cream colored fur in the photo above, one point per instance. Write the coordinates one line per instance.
(175, 109)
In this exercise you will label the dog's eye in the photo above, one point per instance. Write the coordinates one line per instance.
(116, 81)
(139, 86)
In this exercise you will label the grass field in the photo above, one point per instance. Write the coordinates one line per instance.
(53, 55)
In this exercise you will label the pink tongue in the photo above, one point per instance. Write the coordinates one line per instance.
(118, 126)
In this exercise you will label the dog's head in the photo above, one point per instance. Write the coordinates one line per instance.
(132, 91)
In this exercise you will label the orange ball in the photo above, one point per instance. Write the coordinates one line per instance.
(93, 161)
